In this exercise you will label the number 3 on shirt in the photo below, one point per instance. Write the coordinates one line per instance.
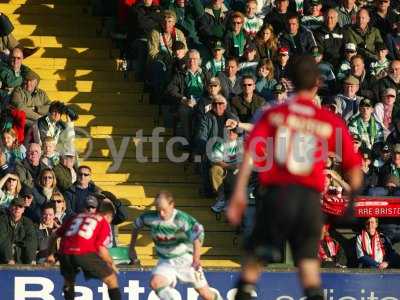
(295, 150)
(84, 227)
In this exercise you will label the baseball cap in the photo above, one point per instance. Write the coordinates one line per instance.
(250, 46)
(31, 75)
(69, 152)
(389, 91)
(356, 138)
(315, 2)
(283, 50)
(279, 88)
(352, 80)
(178, 45)
(218, 46)
(26, 191)
(366, 103)
(214, 81)
(92, 201)
(380, 46)
(385, 148)
(350, 47)
(17, 202)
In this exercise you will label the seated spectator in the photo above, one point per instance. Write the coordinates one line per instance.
(278, 17)
(393, 42)
(382, 162)
(51, 125)
(46, 227)
(314, 19)
(7, 39)
(373, 248)
(383, 17)
(330, 254)
(265, 79)
(45, 187)
(380, 67)
(364, 35)
(350, 50)
(61, 212)
(358, 70)
(330, 38)
(297, 38)
(249, 61)
(279, 94)
(247, 103)
(347, 102)
(366, 126)
(392, 80)
(18, 241)
(392, 186)
(204, 104)
(252, 23)
(65, 171)
(180, 57)
(336, 185)
(13, 150)
(383, 111)
(31, 99)
(77, 194)
(50, 156)
(12, 74)
(231, 81)
(225, 159)
(281, 67)
(217, 64)
(29, 169)
(328, 79)
(347, 13)
(213, 23)
(236, 39)
(11, 117)
(266, 42)
(371, 180)
(10, 186)
(32, 208)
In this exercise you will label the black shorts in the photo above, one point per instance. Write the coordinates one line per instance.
(286, 213)
(91, 265)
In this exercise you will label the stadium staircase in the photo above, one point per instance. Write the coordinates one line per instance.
(80, 67)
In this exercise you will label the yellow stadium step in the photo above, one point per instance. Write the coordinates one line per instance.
(102, 98)
(54, 20)
(145, 111)
(129, 121)
(60, 42)
(206, 262)
(80, 74)
(30, 2)
(73, 30)
(140, 176)
(89, 85)
(208, 251)
(179, 202)
(71, 63)
(44, 9)
(105, 131)
(76, 52)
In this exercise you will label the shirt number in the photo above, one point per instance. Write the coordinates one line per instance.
(84, 227)
(295, 150)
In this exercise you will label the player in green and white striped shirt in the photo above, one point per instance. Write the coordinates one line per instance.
(178, 238)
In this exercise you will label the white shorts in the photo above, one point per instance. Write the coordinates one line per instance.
(180, 269)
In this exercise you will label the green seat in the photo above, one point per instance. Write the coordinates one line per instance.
(120, 255)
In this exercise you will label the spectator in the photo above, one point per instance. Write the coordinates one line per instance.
(18, 241)
(217, 63)
(10, 186)
(204, 105)
(231, 81)
(364, 35)
(28, 170)
(350, 50)
(11, 147)
(358, 71)
(371, 180)
(266, 42)
(393, 42)
(314, 19)
(373, 248)
(11, 117)
(298, 39)
(347, 102)
(45, 187)
(328, 79)
(213, 23)
(13, 74)
(347, 13)
(394, 136)
(252, 23)
(7, 40)
(77, 194)
(279, 94)
(31, 99)
(52, 125)
(180, 57)
(32, 208)
(383, 17)
(384, 110)
(392, 80)
(265, 79)
(379, 68)
(365, 125)
(46, 227)
(65, 171)
(186, 89)
(225, 157)
(330, 38)
(61, 213)
(50, 156)
(236, 39)
(330, 254)
(249, 61)
(278, 17)
(281, 70)
(246, 104)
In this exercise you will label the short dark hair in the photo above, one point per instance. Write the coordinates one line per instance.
(85, 167)
(301, 65)
(105, 207)
(56, 106)
(49, 205)
(248, 76)
(233, 58)
(293, 15)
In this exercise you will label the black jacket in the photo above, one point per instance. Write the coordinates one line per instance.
(244, 110)
(26, 172)
(210, 28)
(142, 20)
(277, 20)
(302, 43)
(331, 43)
(74, 201)
(227, 89)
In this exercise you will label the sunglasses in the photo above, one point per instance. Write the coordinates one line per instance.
(219, 103)
(90, 207)
(84, 174)
(247, 84)
(16, 57)
(47, 177)
(12, 179)
(58, 201)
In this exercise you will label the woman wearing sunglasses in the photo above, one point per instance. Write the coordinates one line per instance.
(45, 187)
(10, 186)
(61, 213)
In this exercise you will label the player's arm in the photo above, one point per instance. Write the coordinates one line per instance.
(196, 253)
(105, 255)
(137, 226)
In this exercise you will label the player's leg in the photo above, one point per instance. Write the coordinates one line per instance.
(207, 294)
(162, 286)
(310, 279)
(68, 270)
(112, 284)
(69, 289)
(246, 286)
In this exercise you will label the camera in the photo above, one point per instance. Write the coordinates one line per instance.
(60, 107)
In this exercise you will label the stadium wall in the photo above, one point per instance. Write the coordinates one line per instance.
(46, 284)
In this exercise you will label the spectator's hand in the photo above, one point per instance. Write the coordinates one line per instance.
(3, 160)
(231, 124)
(51, 260)
(191, 103)
(11, 262)
(28, 201)
(383, 265)
(236, 208)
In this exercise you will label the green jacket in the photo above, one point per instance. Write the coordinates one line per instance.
(34, 104)
(22, 237)
(9, 79)
(365, 41)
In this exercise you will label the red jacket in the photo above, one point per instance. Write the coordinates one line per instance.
(124, 6)
(19, 123)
